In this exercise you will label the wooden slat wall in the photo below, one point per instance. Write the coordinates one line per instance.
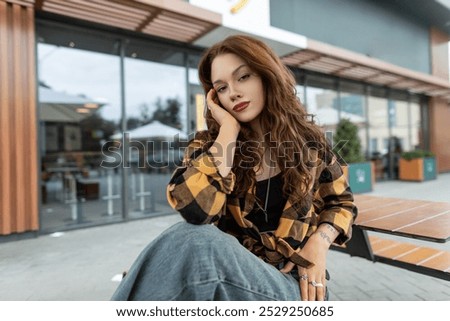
(439, 113)
(439, 108)
(18, 142)
(439, 53)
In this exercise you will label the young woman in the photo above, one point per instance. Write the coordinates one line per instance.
(264, 174)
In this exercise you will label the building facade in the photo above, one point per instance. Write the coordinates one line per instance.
(97, 96)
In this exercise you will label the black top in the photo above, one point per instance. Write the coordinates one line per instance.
(275, 204)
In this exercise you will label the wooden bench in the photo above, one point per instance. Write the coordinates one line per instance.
(425, 260)
(416, 258)
(429, 221)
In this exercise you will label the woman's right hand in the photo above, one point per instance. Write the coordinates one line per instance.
(228, 133)
(221, 115)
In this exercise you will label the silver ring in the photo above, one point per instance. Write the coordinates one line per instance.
(316, 285)
(304, 277)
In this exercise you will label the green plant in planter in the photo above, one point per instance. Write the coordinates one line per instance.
(347, 143)
(348, 150)
(419, 153)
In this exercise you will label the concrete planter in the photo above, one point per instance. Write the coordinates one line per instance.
(360, 176)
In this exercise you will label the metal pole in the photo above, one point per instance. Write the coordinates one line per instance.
(410, 139)
(189, 113)
(110, 197)
(390, 104)
(339, 102)
(125, 155)
(142, 193)
(305, 92)
(110, 206)
(133, 186)
(73, 197)
(142, 200)
(367, 120)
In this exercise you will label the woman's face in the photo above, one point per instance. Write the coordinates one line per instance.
(239, 89)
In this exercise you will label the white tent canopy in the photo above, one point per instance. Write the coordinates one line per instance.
(62, 107)
(153, 130)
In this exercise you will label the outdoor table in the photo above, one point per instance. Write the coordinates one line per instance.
(424, 220)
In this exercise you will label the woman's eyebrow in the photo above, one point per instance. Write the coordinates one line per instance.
(233, 73)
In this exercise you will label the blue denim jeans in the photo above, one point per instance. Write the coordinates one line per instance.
(201, 263)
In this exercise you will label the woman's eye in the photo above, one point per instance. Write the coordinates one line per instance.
(244, 77)
(220, 89)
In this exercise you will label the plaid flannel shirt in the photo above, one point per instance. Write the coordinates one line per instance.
(203, 196)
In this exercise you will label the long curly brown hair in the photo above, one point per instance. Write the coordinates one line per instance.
(292, 134)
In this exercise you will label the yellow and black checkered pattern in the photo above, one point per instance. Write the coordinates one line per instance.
(203, 196)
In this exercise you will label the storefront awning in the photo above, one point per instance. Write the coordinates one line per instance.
(169, 19)
(343, 63)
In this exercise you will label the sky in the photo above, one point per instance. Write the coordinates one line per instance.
(445, 2)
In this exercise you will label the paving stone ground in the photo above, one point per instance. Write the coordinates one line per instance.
(80, 264)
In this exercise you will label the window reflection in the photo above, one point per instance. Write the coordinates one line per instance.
(322, 104)
(379, 134)
(389, 122)
(353, 107)
(156, 117)
(415, 134)
(394, 128)
(79, 109)
(197, 121)
(100, 132)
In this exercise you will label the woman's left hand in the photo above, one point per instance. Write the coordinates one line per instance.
(313, 280)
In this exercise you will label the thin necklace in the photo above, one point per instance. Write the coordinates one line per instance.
(266, 201)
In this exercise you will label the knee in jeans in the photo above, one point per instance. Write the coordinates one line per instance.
(186, 236)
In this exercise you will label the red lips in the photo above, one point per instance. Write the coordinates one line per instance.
(241, 106)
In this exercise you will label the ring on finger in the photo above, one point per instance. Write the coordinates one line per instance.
(304, 277)
(316, 284)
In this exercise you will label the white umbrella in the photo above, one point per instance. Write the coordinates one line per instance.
(153, 130)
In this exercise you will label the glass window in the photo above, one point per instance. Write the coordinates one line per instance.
(378, 120)
(322, 104)
(79, 110)
(197, 121)
(389, 120)
(378, 130)
(353, 107)
(301, 94)
(94, 140)
(415, 133)
(399, 122)
(156, 114)
(373, 144)
(196, 110)
(300, 86)
(386, 143)
(322, 101)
